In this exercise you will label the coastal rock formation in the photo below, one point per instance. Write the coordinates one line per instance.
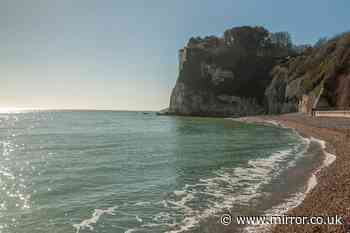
(318, 78)
(188, 101)
(227, 76)
(250, 71)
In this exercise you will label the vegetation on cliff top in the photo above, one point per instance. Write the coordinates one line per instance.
(248, 52)
(325, 66)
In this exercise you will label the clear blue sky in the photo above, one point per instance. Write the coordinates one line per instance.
(106, 54)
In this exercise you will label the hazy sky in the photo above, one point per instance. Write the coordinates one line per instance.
(106, 54)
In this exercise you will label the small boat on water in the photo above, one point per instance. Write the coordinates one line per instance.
(163, 112)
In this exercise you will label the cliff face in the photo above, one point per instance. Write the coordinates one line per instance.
(250, 71)
(227, 76)
(320, 77)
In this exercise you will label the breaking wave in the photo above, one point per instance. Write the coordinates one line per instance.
(297, 198)
(228, 187)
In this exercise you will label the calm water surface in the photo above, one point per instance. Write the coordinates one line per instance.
(105, 171)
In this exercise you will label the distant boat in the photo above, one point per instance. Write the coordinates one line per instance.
(146, 113)
(163, 112)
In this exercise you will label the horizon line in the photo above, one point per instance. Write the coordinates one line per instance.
(19, 110)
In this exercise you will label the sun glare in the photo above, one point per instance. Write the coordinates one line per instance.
(16, 110)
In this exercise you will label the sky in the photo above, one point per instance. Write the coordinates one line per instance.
(113, 54)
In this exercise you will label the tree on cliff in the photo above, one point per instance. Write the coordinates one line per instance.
(228, 76)
(250, 38)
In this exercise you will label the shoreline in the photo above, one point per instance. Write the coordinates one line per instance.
(327, 160)
(319, 187)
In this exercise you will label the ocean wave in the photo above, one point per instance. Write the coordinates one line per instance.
(143, 203)
(138, 219)
(185, 208)
(297, 198)
(131, 230)
(88, 223)
(328, 160)
(277, 210)
(228, 187)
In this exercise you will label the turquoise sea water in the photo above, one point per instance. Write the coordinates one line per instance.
(108, 171)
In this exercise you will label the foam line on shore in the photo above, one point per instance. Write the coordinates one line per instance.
(328, 160)
(298, 197)
(256, 169)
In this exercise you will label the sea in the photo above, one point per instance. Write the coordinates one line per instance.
(83, 171)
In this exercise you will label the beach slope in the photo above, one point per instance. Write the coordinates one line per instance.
(331, 195)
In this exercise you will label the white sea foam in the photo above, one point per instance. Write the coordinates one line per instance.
(138, 218)
(162, 217)
(179, 193)
(131, 230)
(277, 210)
(87, 223)
(143, 203)
(298, 197)
(328, 160)
(164, 203)
(228, 187)
(238, 185)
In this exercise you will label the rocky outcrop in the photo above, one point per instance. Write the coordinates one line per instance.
(250, 71)
(227, 76)
(188, 101)
(318, 78)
